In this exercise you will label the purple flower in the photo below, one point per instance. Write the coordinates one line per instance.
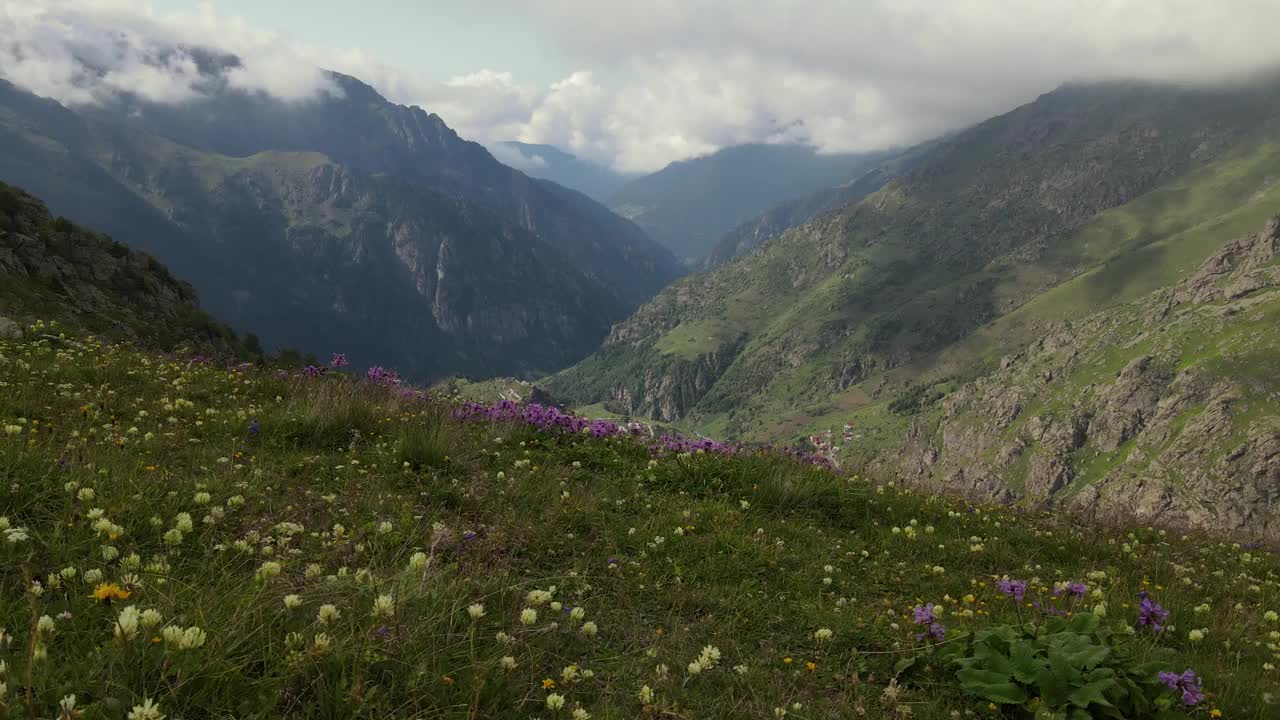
(1049, 609)
(924, 614)
(254, 428)
(1016, 589)
(1078, 589)
(1150, 613)
(468, 535)
(338, 360)
(313, 371)
(1188, 683)
(379, 375)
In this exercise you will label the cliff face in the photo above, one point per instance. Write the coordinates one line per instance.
(51, 269)
(1167, 408)
(345, 223)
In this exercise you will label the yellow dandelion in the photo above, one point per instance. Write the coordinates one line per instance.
(548, 683)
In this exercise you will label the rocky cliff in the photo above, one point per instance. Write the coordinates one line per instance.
(1167, 408)
(52, 269)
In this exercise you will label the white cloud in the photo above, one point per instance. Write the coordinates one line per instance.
(666, 79)
(86, 51)
(515, 157)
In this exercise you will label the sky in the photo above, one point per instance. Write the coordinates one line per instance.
(638, 84)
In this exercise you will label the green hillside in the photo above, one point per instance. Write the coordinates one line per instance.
(186, 540)
(52, 269)
(1124, 187)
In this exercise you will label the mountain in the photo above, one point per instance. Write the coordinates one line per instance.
(1166, 408)
(551, 163)
(773, 222)
(689, 205)
(344, 223)
(54, 270)
(1125, 187)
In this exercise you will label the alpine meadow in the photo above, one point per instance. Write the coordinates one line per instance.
(683, 361)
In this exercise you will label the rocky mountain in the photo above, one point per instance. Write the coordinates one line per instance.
(1123, 187)
(1166, 408)
(551, 163)
(343, 223)
(54, 270)
(780, 218)
(689, 205)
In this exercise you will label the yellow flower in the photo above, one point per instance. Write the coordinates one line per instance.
(106, 592)
(786, 660)
(811, 665)
(548, 683)
(1215, 713)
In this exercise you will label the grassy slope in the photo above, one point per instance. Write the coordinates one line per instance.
(733, 553)
(1123, 254)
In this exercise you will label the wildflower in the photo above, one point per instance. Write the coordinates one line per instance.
(476, 611)
(927, 615)
(822, 634)
(1078, 589)
(418, 561)
(1196, 635)
(1016, 589)
(1188, 683)
(321, 643)
(148, 710)
(555, 701)
(384, 606)
(45, 626)
(1271, 616)
(150, 618)
(1150, 613)
(590, 629)
(338, 360)
(538, 597)
(528, 616)
(695, 667)
(508, 663)
(292, 602)
(126, 627)
(646, 695)
(548, 683)
(106, 592)
(384, 527)
(581, 714)
(328, 613)
(269, 569)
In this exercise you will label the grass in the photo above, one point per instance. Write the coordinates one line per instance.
(327, 580)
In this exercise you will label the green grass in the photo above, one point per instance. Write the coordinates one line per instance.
(128, 468)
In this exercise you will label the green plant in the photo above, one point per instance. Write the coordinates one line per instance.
(427, 444)
(1064, 668)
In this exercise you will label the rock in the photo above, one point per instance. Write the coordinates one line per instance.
(9, 329)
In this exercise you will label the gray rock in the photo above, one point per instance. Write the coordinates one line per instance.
(9, 329)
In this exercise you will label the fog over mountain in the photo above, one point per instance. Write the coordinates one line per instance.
(662, 81)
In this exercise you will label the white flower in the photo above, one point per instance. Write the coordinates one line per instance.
(150, 618)
(475, 610)
(269, 569)
(555, 701)
(590, 629)
(328, 613)
(418, 561)
(45, 626)
(182, 521)
(577, 614)
(822, 634)
(127, 623)
(384, 527)
(292, 602)
(508, 663)
(580, 714)
(202, 498)
(322, 642)
(528, 616)
(695, 667)
(1196, 635)
(148, 710)
(384, 606)
(538, 597)
(646, 695)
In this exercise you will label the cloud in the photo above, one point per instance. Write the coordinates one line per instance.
(88, 51)
(664, 80)
(515, 157)
(691, 75)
